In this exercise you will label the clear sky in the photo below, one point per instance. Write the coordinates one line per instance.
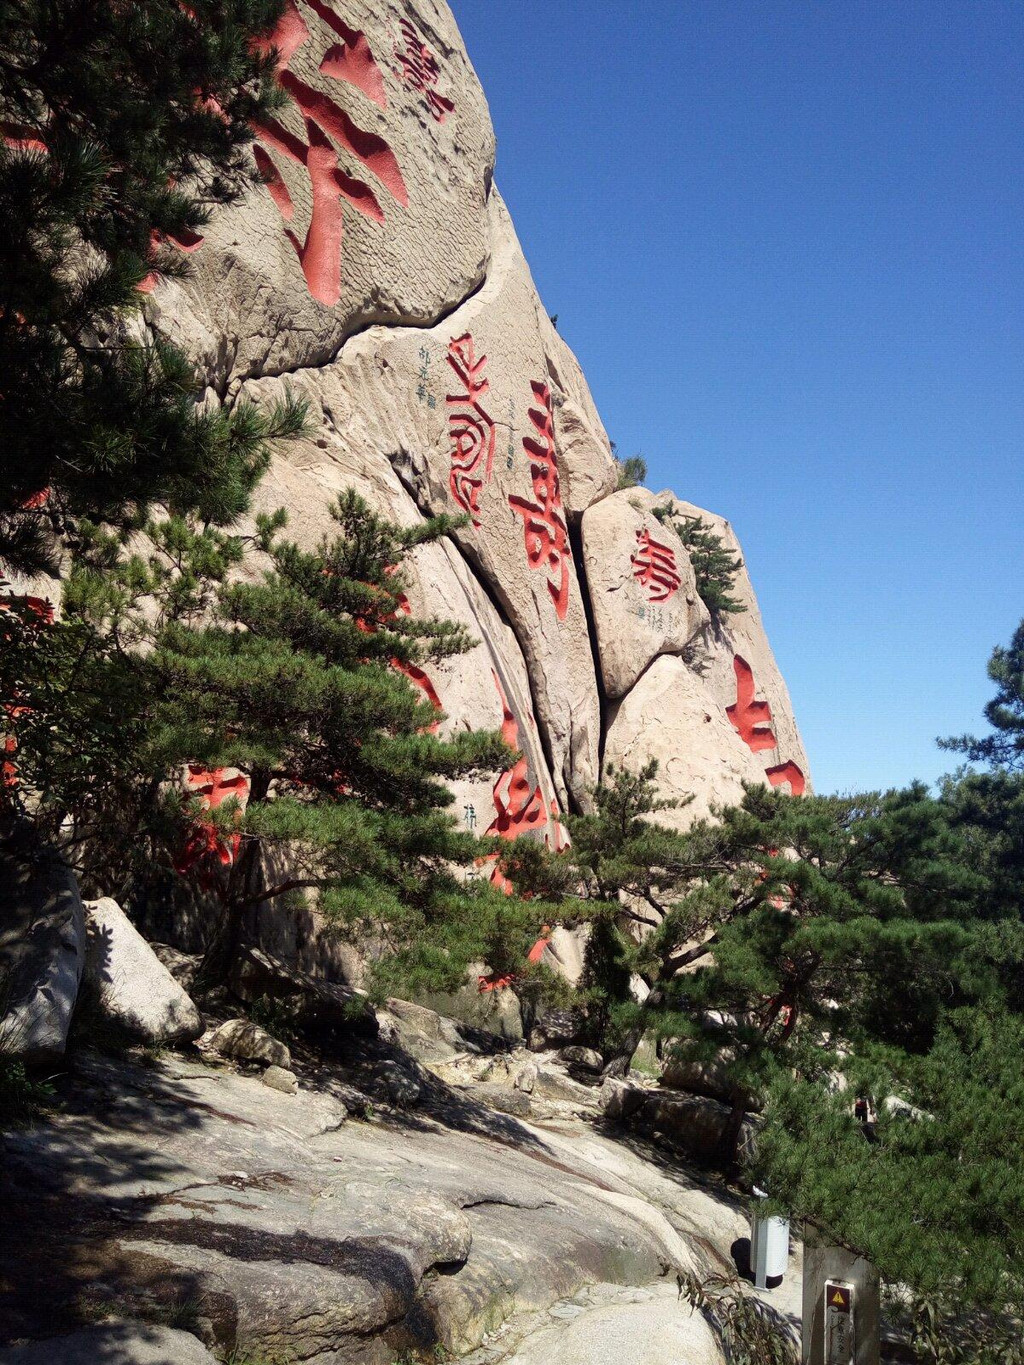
(784, 238)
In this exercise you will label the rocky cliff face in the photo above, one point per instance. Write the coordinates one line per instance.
(378, 273)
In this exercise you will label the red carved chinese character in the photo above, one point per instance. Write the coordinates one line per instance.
(327, 127)
(187, 242)
(419, 69)
(788, 772)
(749, 718)
(415, 674)
(547, 541)
(655, 568)
(20, 138)
(519, 807)
(8, 768)
(747, 715)
(470, 427)
(205, 842)
(42, 609)
(536, 954)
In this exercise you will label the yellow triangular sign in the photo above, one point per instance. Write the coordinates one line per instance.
(837, 1297)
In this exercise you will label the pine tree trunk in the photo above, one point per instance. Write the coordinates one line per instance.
(623, 1059)
(242, 889)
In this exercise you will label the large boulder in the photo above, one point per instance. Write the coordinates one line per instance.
(129, 985)
(672, 716)
(685, 1071)
(247, 1042)
(620, 1099)
(739, 668)
(694, 1124)
(643, 591)
(42, 955)
(488, 448)
(113, 1343)
(375, 208)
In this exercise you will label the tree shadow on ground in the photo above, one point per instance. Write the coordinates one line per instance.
(72, 1182)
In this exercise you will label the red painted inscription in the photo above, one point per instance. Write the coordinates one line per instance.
(655, 567)
(418, 67)
(470, 427)
(788, 772)
(327, 128)
(547, 541)
(205, 842)
(753, 722)
(751, 719)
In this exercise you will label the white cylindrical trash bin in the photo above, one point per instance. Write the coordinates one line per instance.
(769, 1247)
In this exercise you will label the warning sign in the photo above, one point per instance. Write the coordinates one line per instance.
(840, 1348)
(838, 1296)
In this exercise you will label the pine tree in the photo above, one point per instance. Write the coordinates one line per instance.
(630, 472)
(1005, 712)
(122, 127)
(168, 663)
(715, 568)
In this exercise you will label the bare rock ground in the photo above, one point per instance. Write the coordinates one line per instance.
(189, 1195)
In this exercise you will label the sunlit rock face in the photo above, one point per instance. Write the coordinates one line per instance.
(377, 273)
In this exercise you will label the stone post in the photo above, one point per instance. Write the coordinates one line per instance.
(841, 1310)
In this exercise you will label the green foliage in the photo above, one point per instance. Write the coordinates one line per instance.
(21, 1095)
(750, 1331)
(630, 472)
(164, 660)
(943, 1330)
(131, 124)
(715, 567)
(935, 1202)
(1005, 712)
(820, 949)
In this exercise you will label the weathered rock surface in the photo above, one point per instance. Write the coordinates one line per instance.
(620, 1099)
(585, 1058)
(127, 982)
(616, 1326)
(376, 212)
(672, 716)
(292, 1232)
(278, 1078)
(114, 1343)
(695, 1124)
(182, 966)
(247, 1042)
(683, 1071)
(643, 592)
(42, 955)
(739, 669)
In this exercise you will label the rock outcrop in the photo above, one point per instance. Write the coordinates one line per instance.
(276, 1229)
(115, 1343)
(129, 985)
(247, 1042)
(42, 955)
(377, 273)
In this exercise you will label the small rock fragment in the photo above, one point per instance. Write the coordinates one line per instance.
(278, 1078)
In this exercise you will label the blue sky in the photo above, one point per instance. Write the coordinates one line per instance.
(784, 239)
